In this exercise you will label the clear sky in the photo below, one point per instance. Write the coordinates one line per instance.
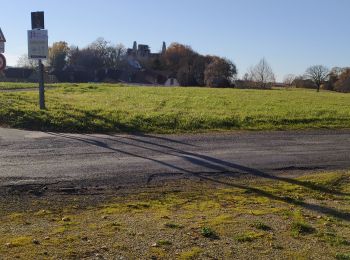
(290, 34)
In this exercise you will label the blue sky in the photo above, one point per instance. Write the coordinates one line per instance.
(290, 34)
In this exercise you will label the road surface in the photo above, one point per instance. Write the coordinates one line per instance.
(28, 158)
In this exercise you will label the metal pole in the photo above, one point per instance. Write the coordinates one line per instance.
(41, 86)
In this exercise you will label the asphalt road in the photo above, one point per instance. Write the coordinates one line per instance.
(28, 158)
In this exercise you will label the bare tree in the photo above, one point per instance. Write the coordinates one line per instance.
(24, 62)
(246, 77)
(262, 74)
(121, 50)
(318, 74)
(337, 71)
(110, 55)
(289, 79)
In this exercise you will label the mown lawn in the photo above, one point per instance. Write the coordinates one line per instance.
(118, 108)
(231, 218)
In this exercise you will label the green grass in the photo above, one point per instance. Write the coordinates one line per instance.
(16, 85)
(340, 256)
(247, 237)
(172, 225)
(118, 108)
(261, 226)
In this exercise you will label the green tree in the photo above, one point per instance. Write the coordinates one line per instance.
(58, 55)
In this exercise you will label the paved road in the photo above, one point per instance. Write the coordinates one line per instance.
(121, 160)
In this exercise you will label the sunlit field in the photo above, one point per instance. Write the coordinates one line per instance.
(119, 108)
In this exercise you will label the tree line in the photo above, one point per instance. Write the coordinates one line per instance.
(189, 67)
(181, 61)
(319, 76)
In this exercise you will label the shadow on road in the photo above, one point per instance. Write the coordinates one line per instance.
(208, 163)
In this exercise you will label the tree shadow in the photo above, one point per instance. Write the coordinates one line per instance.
(213, 164)
(221, 165)
(313, 207)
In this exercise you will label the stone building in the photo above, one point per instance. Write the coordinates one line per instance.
(143, 51)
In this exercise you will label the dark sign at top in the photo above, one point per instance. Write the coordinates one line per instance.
(38, 20)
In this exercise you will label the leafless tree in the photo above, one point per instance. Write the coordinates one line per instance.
(262, 74)
(318, 74)
(289, 79)
(246, 77)
(24, 62)
(337, 71)
(109, 54)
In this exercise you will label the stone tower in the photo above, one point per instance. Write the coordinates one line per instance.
(134, 48)
(164, 48)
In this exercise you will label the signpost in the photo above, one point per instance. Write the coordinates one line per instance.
(38, 49)
(2, 50)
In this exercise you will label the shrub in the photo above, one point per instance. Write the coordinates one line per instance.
(209, 233)
(301, 228)
(261, 226)
(248, 237)
(340, 256)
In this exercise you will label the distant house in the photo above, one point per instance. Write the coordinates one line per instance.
(172, 82)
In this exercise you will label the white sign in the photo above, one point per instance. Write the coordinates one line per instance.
(38, 44)
(2, 47)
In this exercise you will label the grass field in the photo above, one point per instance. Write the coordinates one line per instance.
(16, 85)
(117, 108)
(289, 218)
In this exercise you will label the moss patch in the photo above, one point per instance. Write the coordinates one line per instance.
(185, 220)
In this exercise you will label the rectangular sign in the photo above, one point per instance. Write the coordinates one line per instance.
(38, 20)
(38, 44)
(2, 47)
